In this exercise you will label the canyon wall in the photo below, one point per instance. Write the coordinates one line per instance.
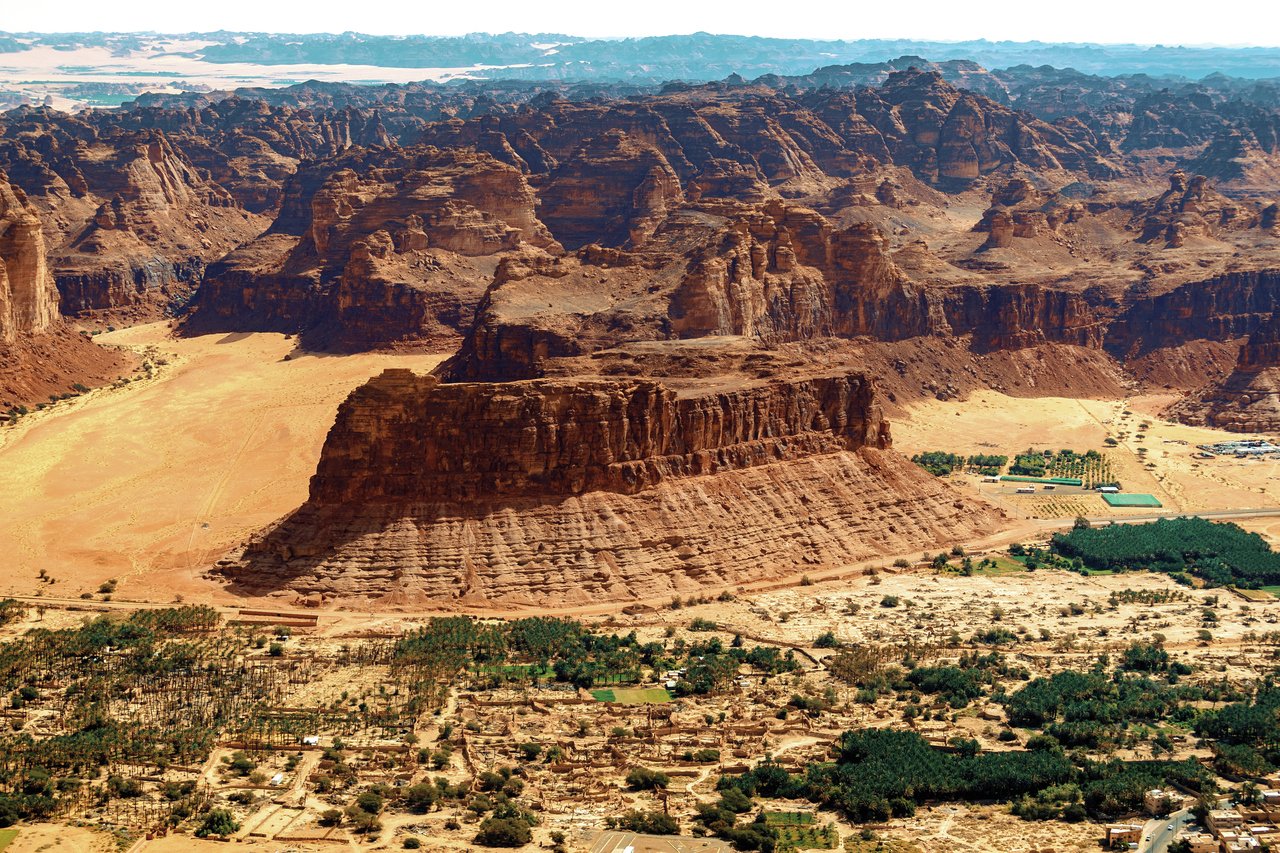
(129, 222)
(1248, 399)
(375, 247)
(40, 355)
(28, 298)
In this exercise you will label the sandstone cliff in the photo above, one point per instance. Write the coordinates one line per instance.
(39, 354)
(601, 490)
(1247, 400)
(376, 247)
(129, 222)
(28, 298)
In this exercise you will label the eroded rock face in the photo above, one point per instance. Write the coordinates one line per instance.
(407, 438)
(375, 247)
(129, 222)
(1248, 400)
(1191, 208)
(613, 191)
(524, 493)
(28, 298)
(39, 354)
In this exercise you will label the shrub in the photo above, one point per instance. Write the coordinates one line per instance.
(644, 779)
(504, 832)
(217, 822)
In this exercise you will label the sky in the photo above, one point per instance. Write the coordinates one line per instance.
(1168, 22)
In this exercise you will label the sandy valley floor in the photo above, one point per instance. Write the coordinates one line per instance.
(165, 474)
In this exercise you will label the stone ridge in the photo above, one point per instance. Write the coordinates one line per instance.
(686, 535)
(404, 437)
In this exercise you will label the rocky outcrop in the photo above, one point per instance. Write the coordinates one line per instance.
(376, 247)
(613, 191)
(1019, 209)
(1223, 308)
(448, 494)
(129, 222)
(408, 438)
(28, 298)
(1190, 208)
(775, 273)
(40, 355)
(1248, 400)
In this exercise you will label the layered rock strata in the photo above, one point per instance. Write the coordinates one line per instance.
(1248, 399)
(130, 223)
(40, 355)
(551, 492)
(376, 247)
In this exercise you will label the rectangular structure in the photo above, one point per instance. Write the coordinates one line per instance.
(1129, 500)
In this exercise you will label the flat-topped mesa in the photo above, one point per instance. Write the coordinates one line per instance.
(581, 492)
(409, 438)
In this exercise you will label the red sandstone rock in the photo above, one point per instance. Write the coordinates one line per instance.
(574, 492)
(39, 354)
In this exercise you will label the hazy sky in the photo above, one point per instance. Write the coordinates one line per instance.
(1190, 22)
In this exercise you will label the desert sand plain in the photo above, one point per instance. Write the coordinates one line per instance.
(148, 482)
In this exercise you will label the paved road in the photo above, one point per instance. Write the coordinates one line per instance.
(1261, 512)
(1161, 835)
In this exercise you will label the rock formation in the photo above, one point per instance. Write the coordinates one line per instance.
(129, 222)
(1248, 400)
(28, 298)
(571, 492)
(39, 355)
(375, 247)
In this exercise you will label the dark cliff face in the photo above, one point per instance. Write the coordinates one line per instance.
(404, 438)
(1219, 309)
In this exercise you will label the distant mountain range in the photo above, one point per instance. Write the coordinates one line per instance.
(695, 57)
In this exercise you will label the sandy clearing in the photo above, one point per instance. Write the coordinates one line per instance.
(48, 838)
(151, 482)
(1158, 460)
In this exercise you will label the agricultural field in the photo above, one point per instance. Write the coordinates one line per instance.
(1091, 466)
(801, 831)
(633, 696)
(1065, 506)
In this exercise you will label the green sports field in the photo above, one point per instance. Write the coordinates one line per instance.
(633, 695)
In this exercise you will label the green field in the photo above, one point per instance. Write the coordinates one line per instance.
(798, 831)
(1131, 500)
(1003, 566)
(633, 696)
(7, 836)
